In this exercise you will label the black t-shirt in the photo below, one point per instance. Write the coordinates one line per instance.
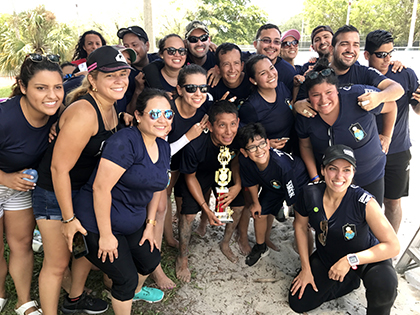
(208, 64)
(241, 92)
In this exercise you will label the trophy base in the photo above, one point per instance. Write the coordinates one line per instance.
(224, 217)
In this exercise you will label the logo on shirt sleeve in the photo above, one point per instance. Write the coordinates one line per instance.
(349, 231)
(357, 131)
(168, 171)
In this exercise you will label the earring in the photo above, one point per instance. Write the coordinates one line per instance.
(138, 121)
(255, 83)
(94, 90)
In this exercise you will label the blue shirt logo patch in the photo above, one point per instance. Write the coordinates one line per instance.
(275, 184)
(357, 131)
(349, 231)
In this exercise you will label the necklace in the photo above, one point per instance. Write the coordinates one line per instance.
(107, 124)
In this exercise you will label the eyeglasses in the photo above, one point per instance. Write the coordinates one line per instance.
(192, 88)
(288, 44)
(322, 237)
(254, 148)
(268, 41)
(383, 54)
(315, 74)
(172, 51)
(194, 39)
(154, 114)
(38, 57)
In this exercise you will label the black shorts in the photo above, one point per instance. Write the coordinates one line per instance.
(397, 175)
(376, 188)
(270, 202)
(191, 206)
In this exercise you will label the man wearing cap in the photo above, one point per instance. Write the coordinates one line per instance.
(378, 49)
(135, 37)
(197, 40)
(267, 42)
(346, 50)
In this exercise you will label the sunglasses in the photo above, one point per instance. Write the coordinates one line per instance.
(383, 54)
(195, 39)
(315, 74)
(268, 41)
(322, 238)
(288, 44)
(192, 88)
(172, 51)
(254, 148)
(38, 57)
(154, 114)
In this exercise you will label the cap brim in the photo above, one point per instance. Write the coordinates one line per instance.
(343, 157)
(115, 68)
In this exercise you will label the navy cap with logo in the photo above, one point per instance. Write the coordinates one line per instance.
(136, 30)
(106, 59)
(339, 151)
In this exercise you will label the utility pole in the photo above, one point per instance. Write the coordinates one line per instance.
(413, 23)
(348, 12)
(148, 23)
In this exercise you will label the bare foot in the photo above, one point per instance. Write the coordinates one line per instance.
(272, 245)
(162, 280)
(244, 247)
(224, 247)
(173, 242)
(201, 229)
(182, 271)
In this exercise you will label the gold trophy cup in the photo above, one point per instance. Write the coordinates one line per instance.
(222, 177)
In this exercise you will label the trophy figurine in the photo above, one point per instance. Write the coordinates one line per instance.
(223, 176)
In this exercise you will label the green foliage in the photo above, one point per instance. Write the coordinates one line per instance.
(233, 21)
(5, 91)
(32, 31)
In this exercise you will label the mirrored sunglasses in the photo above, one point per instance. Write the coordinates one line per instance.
(154, 114)
(194, 39)
(383, 54)
(38, 57)
(192, 88)
(172, 51)
(288, 44)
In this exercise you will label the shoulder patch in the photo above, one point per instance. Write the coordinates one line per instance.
(365, 198)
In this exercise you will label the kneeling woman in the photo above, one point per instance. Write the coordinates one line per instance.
(132, 174)
(354, 240)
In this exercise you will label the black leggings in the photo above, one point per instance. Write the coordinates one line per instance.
(379, 279)
(132, 259)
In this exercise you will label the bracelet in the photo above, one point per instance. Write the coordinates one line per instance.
(316, 177)
(120, 114)
(202, 204)
(150, 221)
(69, 220)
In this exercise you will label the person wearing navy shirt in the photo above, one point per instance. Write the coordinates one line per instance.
(378, 49)
(229, 66)
(269, 104)
(279, 175)
(354, 240)
(199, 164)
(118, 204)
(341, 120)
(346, 50)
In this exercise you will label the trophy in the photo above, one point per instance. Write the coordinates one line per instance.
(222, 177)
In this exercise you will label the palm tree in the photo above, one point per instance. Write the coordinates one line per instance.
(33, 31)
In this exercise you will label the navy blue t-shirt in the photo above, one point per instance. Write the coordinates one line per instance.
(181, 125)
(284, 175)
(135, 188)
(401, 136)
(285, 73)
(210, 61)
(355, 128)
(348, 231)
(21, 144)
(357, 74)
(241, 92)
(277, 118)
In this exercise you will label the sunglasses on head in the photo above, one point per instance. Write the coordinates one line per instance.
(38, 57)
(383, 54)
(268, 41)
(172, 51)
(154, 114)
(192, 88)
(194, 39)
(315, 74)
(294, 42)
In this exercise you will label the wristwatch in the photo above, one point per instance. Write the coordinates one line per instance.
(353, 261)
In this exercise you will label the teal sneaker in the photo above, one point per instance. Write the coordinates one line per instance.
(150, 295)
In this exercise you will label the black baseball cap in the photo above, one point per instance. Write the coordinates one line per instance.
(106, 59)
(320, 28)
(339, 151)
(136, 30)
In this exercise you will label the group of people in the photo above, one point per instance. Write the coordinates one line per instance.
(127, 129)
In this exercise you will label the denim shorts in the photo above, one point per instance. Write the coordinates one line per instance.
(45, 204)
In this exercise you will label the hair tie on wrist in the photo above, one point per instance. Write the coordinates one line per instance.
(316, 177)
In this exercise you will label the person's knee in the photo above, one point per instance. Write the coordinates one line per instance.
(147, 266)
(298, 305)
(393, 205)
(381, 286)
(124, 286)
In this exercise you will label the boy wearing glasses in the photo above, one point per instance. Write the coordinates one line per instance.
(197, 40)
(378, 49)
(279, 175)
(200, 161)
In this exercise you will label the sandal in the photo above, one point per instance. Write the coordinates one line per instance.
(3, 302)
(24, 307)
